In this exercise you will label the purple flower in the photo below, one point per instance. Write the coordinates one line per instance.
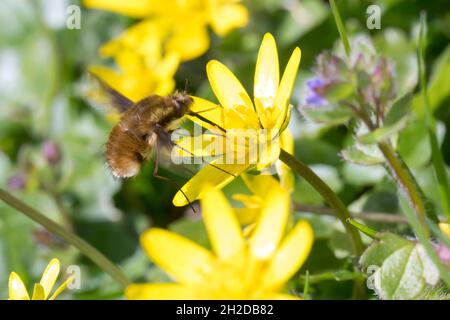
(315, 83)
(51, 152)
(17, 182)
(313, 97)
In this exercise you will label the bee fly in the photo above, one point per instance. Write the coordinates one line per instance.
(144, 126)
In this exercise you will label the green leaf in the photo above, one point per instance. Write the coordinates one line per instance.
(439, 88)
(383, 133)
(338, 91)
(413, 144)
(403, 269)
(395, 120)
(362, 175)
(327, 114)
(356, 156)
(399, 110)
(382, 249)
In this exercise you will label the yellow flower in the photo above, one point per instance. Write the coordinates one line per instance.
(266, 118)
(287, 177)
(142, 68)
(43, 289)
(185, 22)
(256, 267)
(260, 187)
(445, 228)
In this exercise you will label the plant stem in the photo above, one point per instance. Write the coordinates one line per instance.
(341, 211)
(340, 27)
(407, 184)
(401, 174)
(436, 155)
(306, 286)
(365, 215)
(96, 256)
(363, 228)
(332, 199)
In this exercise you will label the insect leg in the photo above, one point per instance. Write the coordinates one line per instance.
(156, 175)
(162, 135)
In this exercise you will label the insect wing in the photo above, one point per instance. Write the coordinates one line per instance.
(104, 97)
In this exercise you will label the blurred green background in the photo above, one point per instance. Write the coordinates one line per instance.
(52, 142)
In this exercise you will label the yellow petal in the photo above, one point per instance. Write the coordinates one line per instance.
(181, 258)
(267, 74)
(61, 288)
(212, 112)
(217, 176)
(445, 228)
(271, 224)
(269, 152)
(38, 292)
(290, 256)
(165, 87)
(228, 17)
(132, 8)
(249, 201)
(160, 291)
(49, 276)
(143, 38)
(286, 86)
(247, 216)
(260, 185)
(129, 61)
(287, 178)
(17, 290)
(227, 87)
(205, 145)
(190, 40)
(223, 228)
(110, 76)
(167, 67)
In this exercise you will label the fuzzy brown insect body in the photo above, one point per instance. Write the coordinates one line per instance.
(144, 126)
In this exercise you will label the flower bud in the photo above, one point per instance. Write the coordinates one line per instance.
(443, 252)
(51, 152)
(17, 182)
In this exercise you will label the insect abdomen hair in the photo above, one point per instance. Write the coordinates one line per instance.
(124, 153)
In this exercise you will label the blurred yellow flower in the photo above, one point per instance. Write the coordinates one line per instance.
(238, 267)
(183, 23)
(43, 289)
(143, 69)
(260, 187)
(267, 117)
(445, 228)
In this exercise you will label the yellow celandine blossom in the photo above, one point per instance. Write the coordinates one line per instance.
(43, 289)
(268, 113)
(183, 23)
(143, 69)
(239, 267)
